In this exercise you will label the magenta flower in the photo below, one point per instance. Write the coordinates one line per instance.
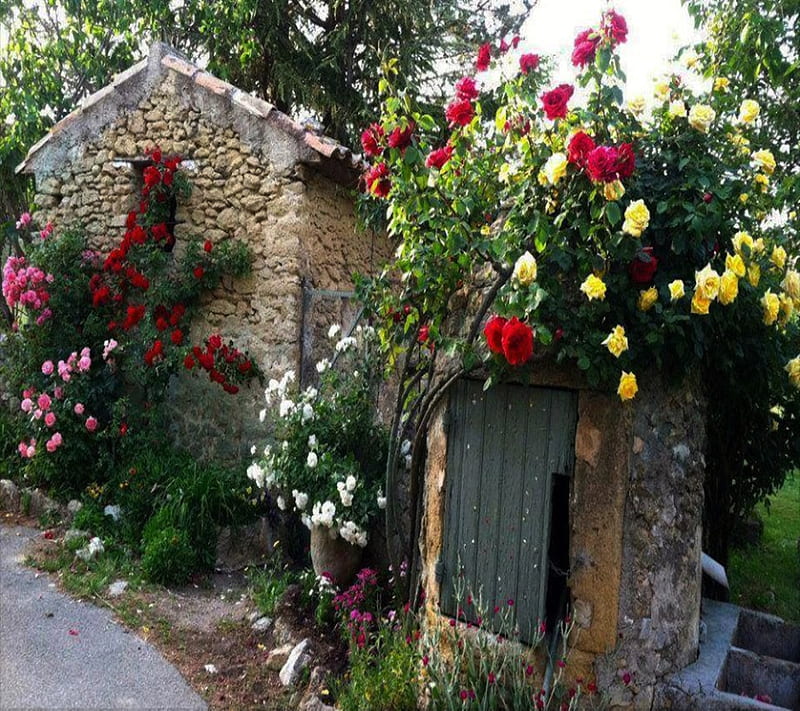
(48, 367)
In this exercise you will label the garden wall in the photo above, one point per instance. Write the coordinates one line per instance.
(635, 506)
(254, 178)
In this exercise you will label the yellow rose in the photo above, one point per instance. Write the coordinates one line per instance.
(748, 111)
(700, 303)
(721, 84)
(701, 117)
(754, 274)
(616, 342)
(743, 198)
(771, 304)
(778, 257)
(637, 105)
(728, 287)
(689, 58)
(707, 282)
(787, 309)
(637, 217)
(647, 299)
(555, 168)
(758, 245)
(594, 288)
(735, 263)
(613, 191)
(677, 109)
(791, 285)
(661, 90)
(627, 386)
(525, 270)
(740, 240)
(793, 368)
(542, 178)
(765, 161)
(738, 140)
(676, 289)
(761, 181)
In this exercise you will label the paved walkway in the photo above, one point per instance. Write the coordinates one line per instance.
(57, 653)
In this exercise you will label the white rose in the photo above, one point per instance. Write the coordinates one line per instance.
(350, 482)
(333, 331)
(312, 460)
(281, 503)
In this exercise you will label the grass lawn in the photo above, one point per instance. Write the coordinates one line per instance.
(767, 576)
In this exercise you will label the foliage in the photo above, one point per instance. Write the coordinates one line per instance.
(766, 576)
(168, 557)
(330, 459)
(598, 234)
(321, 58)
(96, 338)
(755, 44)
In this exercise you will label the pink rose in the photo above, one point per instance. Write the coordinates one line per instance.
(58, 391)
(78, 409)
(26, 405)
(528, 62)
(466, 89)
(48, 367)
(84, 364)
(437, 158)
(50, 419)
(585, 48)
(91, 424)
(37, 414)
(484, 57)
(44, 402)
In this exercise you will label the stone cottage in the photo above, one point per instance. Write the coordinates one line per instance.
(257, 176)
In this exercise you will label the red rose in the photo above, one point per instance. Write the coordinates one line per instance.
(206, 360)
(517, 342)
(207, 246)
(437, 158)
(580, 145)
(466, 89)
(176, 337)
(229, 388)
(585, 48)
(171, 163)
(424, 333)
(198, 272)
(159, 232)
(400, 138)
(134, 315)
(615, 27)
(123, 429)
(155, 154)
(643, 267)
(626, 161)
(554, 102)
(130, 220)
(494, 333)
(245, 367)
(459, 113)
(167, 177)
(152, 176)
(137, 235)
(101, 296)
(371, 140)
(188, 362)
(528, 62)
(484, 57)
(378, 181)
(504, 46)
(214, 342)
(216, 376)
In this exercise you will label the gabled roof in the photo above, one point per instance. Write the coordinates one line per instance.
(258, 123)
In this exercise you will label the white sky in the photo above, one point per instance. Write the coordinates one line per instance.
(656, 29)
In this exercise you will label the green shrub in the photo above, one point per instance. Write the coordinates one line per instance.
(91, 518)
(168, 558)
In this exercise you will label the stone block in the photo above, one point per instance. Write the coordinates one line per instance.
(298, 660)
(9, 496)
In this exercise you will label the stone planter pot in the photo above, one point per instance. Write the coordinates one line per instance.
(334, 556)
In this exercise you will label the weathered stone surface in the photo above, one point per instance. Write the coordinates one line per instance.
(282, 632)
(73, 534)
(9, 496)
(279, 656)
(312, 702)
(40, 504)
(298, 660)
(262, 624)
(117, 588)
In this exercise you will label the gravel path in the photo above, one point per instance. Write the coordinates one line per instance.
(58, 653)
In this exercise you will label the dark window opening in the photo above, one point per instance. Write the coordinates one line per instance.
(167, 211)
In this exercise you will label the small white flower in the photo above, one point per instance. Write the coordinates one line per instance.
(405, 448)
(287, 407)
(381, 500)
(346, 497)
(345, 343)
(253, 449)
(281, 503)
(306, 521)
(285, 445)
(262, 415)
(312, 441)
(408, 461)
(323, 365)
(312, 460)
(310, 393)
(350, 482)
(256, 473)
(333, 331)
(300, 500)
(361, 539)
(341, 486)
(355, 373)
(308, 412)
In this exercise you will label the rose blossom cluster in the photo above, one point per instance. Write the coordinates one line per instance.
(221, 361)
(510, 338)
(375, 142)
(613, 31)
(603, 164)
(27, 286)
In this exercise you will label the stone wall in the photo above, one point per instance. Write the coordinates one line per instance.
(299, 225)
(635, 516)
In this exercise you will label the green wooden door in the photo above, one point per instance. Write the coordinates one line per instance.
(504, 446)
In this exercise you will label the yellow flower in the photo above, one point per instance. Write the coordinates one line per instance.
(647, 299)
(701, 116)
(754, 274)
(700, 303)
(525, 270)
(787, 309)
(594, 288)
(765, 160)
(793, 368)
(748, 111)
(778, 257)
(555, 168)
(637, 105)
(771, 304)
(637, 217)
(690, 58)
(743, 198)
(677, 109)
(676, 289)
(791, 285)
(738, 140)
(721, 84)
(758, 245)
(616, 342)
(735, 263)
(742, 239)
(542, 178)
(627, 386)
(614, 190)
(728, 287)
(707, 282)
(661, 90)
(762, 181)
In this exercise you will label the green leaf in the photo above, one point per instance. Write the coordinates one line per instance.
(584, 363)
(613, 213)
